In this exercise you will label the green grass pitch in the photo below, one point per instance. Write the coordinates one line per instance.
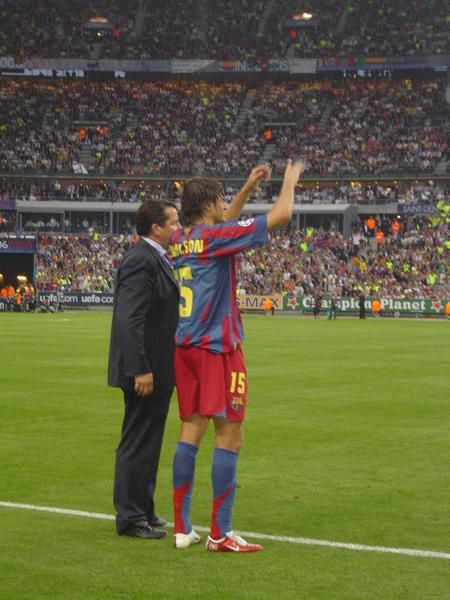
(346, 439)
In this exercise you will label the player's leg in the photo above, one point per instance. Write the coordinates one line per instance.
(193, 427)
(192, 432)
(228, 441)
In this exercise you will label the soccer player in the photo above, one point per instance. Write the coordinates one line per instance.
(210, 370)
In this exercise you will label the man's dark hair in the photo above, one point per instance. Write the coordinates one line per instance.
(152, 212)
(197, 192)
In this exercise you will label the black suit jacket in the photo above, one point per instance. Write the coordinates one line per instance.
(144, 320)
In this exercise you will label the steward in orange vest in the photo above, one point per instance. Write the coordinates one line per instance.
(376, 308)
(371, 226)
(379, 237)
(268, 306)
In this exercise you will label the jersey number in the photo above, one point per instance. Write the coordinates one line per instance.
(237, 382)
(185, 274)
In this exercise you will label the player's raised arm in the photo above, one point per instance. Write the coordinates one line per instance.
(281, 212)
(257, 174)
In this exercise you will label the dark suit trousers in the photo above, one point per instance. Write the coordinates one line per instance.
(137, 457)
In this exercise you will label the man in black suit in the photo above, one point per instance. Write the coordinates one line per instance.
(362, 305)
(141, 363)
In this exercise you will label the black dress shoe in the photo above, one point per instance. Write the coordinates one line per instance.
(157, 521)
(143, 529)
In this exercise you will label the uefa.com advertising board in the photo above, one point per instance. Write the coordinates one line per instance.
(255, 303)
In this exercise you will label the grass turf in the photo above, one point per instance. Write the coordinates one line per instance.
(346, 440)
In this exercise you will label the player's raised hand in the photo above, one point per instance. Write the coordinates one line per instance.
(235, 208)
(294, 170)
(257, 174)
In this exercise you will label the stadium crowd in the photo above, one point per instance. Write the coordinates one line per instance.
(82, 263)
(378, 127)
(219, 29)
(177, 128)
(403, 27)
(82, 191)
(53, 29)
(7, 221)
(222, 29)
(411, 261)
(77, 220)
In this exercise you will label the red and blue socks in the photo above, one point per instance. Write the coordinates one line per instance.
(224, 487)
(183, 480)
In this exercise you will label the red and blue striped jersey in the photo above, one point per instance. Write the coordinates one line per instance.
(204, 264)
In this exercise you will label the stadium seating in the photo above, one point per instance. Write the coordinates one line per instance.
(52, 29)
(401, 28)
(327, 263)
(219, 29)
(410, 263)
(350, 130)
(177, 128)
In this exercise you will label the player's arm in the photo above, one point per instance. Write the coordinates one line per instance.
(281, 212)
(235, 208)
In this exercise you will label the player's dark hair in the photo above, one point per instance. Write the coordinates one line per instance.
(152, 212)
(197, 192)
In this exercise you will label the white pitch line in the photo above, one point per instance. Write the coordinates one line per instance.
(261, 536)
(60, 511)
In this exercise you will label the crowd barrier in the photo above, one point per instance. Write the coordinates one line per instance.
(254, 303)
(389, 306)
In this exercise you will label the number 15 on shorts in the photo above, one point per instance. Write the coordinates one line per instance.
(237, 382)
(237, 392)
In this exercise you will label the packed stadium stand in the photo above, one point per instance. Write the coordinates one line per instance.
(411, 262)
(397, 28)
(176, 128)
(49, 28)
(237, 29)
(306, 263)
(106, 104)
